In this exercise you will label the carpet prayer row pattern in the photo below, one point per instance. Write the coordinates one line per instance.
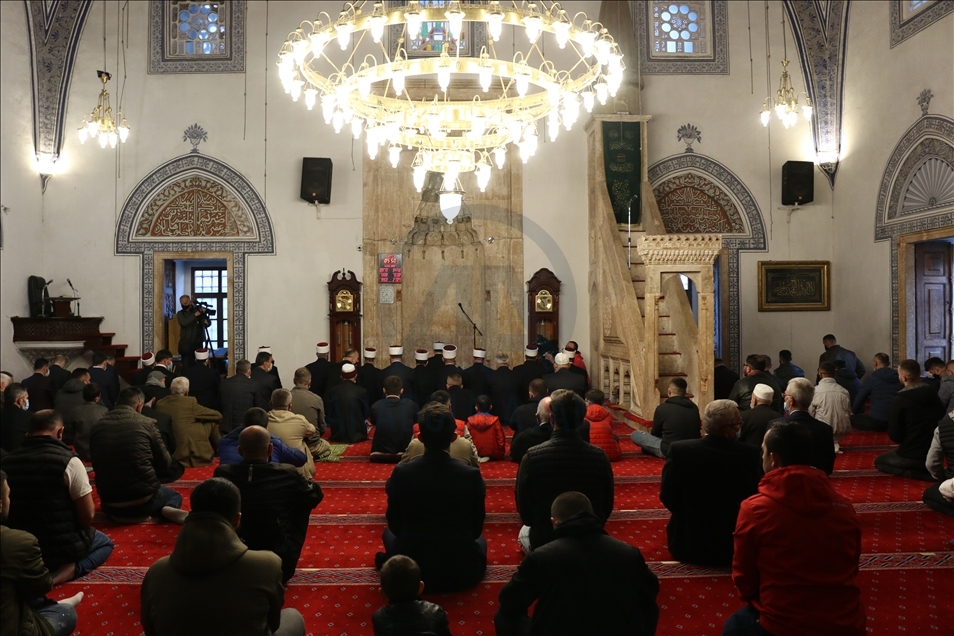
(907, 565)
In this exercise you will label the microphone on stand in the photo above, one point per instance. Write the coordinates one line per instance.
(75, 295)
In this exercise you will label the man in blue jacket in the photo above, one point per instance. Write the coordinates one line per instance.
(881, 386)
(227, 448)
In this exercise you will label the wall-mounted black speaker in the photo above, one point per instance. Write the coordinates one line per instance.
(316, 180)
(798, 182)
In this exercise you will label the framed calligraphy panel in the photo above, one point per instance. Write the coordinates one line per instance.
(794, 286)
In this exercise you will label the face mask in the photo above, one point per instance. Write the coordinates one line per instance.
(738, 434)
(787, 410)
(26, 405)
(46, 373)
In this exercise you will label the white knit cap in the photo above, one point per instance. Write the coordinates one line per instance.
(201, 354)
(450, 352)
(480, 353)
(265, 348)
(348, 370)
(560, 359)
(148, 358)
(395, 350)
(322, 347)
(531, 351)
(763, 392)
(370, 353)
(438, 346)
(569, 354)
(420, 354)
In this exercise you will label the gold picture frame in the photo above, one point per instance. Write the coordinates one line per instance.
(794, 285)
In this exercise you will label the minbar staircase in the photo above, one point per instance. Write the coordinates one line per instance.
(643, 329)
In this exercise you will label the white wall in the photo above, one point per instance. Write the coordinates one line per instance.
(70, 231)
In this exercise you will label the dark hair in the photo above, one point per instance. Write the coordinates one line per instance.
(539, 387)
(262, 358)
(910, 368)
(130, 396)
(45, 421)
(13, 391)
(829, 336)
(791, 441)
(570, 504)
(933, 363)
(79, 372)
(400, 579)
(98, 358)
(785, 355)
(242, 367)
(393, 385)
(255, 417)
(883, 359)
(596, 396)
(576, 347)
(766, 359)
(680, 385)
(482, 403)
(437, 425)
(441, 397)
(828, 368)
(756, 362)
(567, 410)
(40, 363)
(91, 391)
(163, 354)
(217, 495)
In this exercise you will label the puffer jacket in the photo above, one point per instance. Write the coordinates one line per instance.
(487, 434)
(881, 385)
(601, 431)
(67, 398)
(127, 450)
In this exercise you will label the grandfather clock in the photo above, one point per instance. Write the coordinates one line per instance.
(543, 306)
(344, 298)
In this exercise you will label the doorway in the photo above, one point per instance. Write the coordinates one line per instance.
(926, 316)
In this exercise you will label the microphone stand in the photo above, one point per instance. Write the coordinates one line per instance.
(76, 296)
(44, 298)
(471, 321)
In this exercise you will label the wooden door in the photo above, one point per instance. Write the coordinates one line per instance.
(932, 277)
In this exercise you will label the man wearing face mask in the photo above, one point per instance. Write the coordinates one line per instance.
(192, 322)
(40, 386)
(14, 417)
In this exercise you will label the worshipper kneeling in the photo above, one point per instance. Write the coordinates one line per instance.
(227, 448)
(393, 419)
(212, 583)
(486, 431)
(583, 581)
(52, 499)
(276, 500)
(675, 419)
(128, 455)
(940, 495)
(436, 510)
(528, 438)
(406, 613)
(348, 408)
(293, 429)
(597, 429)
(195, 426)
(24, 608)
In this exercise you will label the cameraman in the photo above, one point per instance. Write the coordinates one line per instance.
(192, 321)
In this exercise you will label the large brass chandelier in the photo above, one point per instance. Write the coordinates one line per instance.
(345, 67)
(101, 123)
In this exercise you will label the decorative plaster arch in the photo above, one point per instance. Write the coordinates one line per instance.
(715, 182)
(195, 203)
(930, 138)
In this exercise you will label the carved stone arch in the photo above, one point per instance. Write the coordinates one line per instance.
(195, 204)
(698, 194)
(920, 169)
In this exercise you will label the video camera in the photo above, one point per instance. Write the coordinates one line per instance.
(205, 308)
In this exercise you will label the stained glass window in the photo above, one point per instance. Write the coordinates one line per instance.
(680, 29)
(198, 29)
(186, 36)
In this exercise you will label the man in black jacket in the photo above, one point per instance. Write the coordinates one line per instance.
(880, 386)
(755, 420)
(503, 389)
(393, 418)
(704, 482)
(525, 416)
(915, 413)
(369, 376)
(462, 400)
(261, 373)
(798, 398)
(530, 370)
(40, 386)
(563, 463)
(58, 373)
(240, 393)
(584, 581)
(436, 510)
(319, 368)
(348, 408)
(725, 379)
(477, 376)
(755, 373)
(563, 378)
(276, 499)
(534, 436)
(675, 419)
(835, 352)
(127, 453)
(106, 377)
(204, 380)
(52, 499)
(14, 417)
(423, 378)
(401, 370)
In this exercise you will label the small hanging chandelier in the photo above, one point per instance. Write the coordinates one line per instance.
(785, 104)
(101, 123)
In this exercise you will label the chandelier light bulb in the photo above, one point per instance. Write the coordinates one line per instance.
(532, 24)
(450, 203)
(123, 130)
(82, 132)
(344, 34)
(372, 148)
(310, 97)
(455, 18)
(103, 141)
(589, 100)
(419, 173)
(553, 125)
(296, 86)
(356, 125)
(766, 116)
(328, 106)
(444, 71)
(562, 29)
(93, 126)
(300, 50)
(397, 83)
(413, 18)
(113, 139)
(524, 152)
(807, 110)
(523, 83)
(603, 47)
(478, 126)
(394, 154)
(587, 40)
(337, 120)
(495, 21)
(601, 92)
(486, 77)
(317, 41)
(377, 20)
(500, 157)
(483, 175)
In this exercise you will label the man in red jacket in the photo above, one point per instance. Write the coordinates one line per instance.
(797, 546)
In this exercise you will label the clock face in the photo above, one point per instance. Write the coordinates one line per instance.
(544, 302)
(344, 301)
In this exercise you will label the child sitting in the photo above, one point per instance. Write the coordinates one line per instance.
(486, 431)
(406, 614)
(598, 427)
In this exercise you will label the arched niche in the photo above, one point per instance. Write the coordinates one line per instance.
(697, 195)
(194, 206)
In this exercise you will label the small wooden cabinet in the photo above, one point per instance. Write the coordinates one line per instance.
(344, 299)
(543, 306)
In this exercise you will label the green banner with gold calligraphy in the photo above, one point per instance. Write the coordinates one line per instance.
(622, 158)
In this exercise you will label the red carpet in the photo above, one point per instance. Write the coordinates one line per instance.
(907, 576)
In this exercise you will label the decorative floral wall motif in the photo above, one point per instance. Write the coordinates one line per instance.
(691, 204)
(195, 207)
(902, 29)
